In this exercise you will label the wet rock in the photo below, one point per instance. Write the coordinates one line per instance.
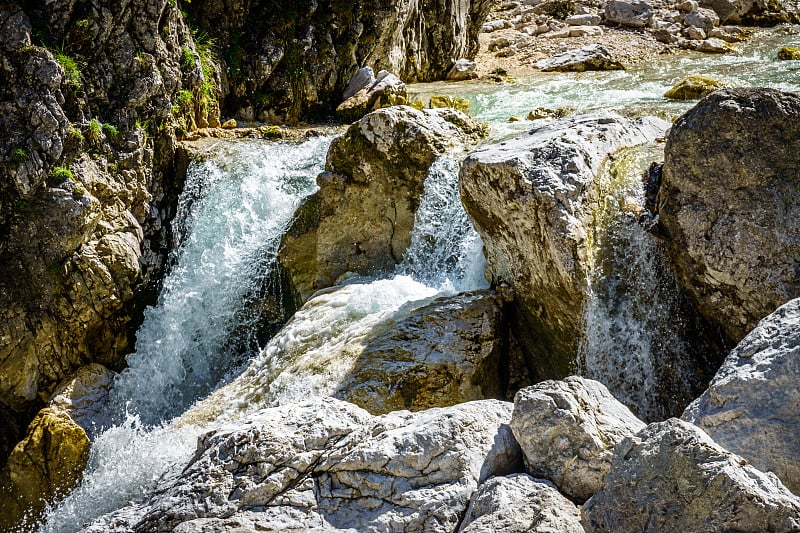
(730, 34)
(708, 46)
(530, 199)
(520, 504)
(591, 57)
(730, 200)
(633, 13)
(544, 112)
(463, 69)
(461, 104)
(672, 477)
(328, 464)
(387, 90)
(374, 180)
(568, 429)
(693, 88)
(83, 395)
(43, 467)
(789, 53)
(750, 405)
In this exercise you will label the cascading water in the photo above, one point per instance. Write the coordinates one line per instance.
(234, 209)
(637, 322)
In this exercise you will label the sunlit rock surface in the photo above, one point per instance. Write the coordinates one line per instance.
(328, 464)
(672, 477)
(750, 406)
(730, 202)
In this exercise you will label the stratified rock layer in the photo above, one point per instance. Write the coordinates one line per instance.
(568, 429)
(750, 406)
(361, 218)
(730, 204)
(531, 200)
(672, 477)
(330, 465)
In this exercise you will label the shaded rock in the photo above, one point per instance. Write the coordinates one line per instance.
(530, 199)
(730, 204)
(568, 429)
(463, 69)
(520, 504)
(672, 477)
(591, 57)
(43, 467)
(387, 90)
(363, 79)
(693, 88)
(374, 180)
(789, 53)
(461, 104)
(750, 407)
(330, 465)
(755, 12)
(84, 394)
(633, 13)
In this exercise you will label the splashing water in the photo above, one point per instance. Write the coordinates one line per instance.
(233, 211)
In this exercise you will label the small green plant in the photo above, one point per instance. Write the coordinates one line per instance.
(60, 174)
(141, 57)
(20, 155)
(113, 167)
(187, 58)
(77, 190)
(72, 69)
(76, 134)
(182, 100)
(111, 131)
(95, 130)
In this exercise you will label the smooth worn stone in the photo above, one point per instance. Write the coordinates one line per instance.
(531, 200)
(364, 78)
(567, 431)
(43, 467)
(672, 477)
(520, 503)
(325, 463)
(633, 13)
(84, 394)
(591, 57)
(463, 69)
(693, 88)
(387, 90)
(731, 199)
(750, 406)
(374, 180)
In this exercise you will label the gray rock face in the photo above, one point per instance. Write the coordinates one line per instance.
(730, 202)
(633, 13)
(755, 12)
(591, 57)
(530, 199)
(374, 180)
(568, 429)
(520, 504)
(83, 395)
(329, 465)
(750, 407)
(672, 477)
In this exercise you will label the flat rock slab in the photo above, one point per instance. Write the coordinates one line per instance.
(591, 57)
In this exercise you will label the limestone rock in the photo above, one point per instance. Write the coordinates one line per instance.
(520, 504)
(750, 405)
(633, 13)
(544, 112)
(387, 90)
(530, 199)
(708, 46)
(363, 79)
(586, 19)
(567, 431)
(730, 34)
(730, 202)
(83, 395)
(693, 88)
(789, 53)
(672, 477)
(591, 57)
(702, 18)
(44, 466)
(755, 12)
(327, 464)
(463, 69)
(374, 180)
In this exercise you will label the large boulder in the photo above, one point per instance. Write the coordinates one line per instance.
(567, 431)
(590, 57)
(328, 464)
(287, 60)
(633, 13)
(750, 407)
(43, 467)
(755, 12)
(672, 477)
(531, 199)
(520, 503)
(361, 218)
(730, 202)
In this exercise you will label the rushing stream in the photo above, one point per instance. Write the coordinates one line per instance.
(199, 359)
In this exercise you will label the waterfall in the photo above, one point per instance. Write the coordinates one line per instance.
(232, 213)
(638, 325)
